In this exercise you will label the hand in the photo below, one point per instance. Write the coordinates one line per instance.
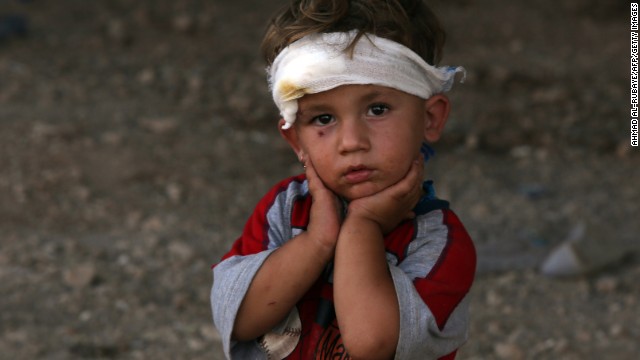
(326, 210)
(394, 204)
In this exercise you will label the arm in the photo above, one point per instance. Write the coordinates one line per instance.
(365, 297)
(267, 229)
(288, 272)
(282, 280)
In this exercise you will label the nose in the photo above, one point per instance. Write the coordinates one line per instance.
(354, 136)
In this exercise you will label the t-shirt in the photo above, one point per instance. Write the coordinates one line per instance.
(431, 259)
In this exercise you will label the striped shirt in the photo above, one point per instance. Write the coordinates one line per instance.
(431, 259)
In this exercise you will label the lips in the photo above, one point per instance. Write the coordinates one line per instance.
(358, 174)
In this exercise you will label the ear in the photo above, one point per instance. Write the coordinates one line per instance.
(291, 136)
(437, 110)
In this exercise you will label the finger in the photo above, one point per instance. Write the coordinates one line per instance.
(310, 171)
(418, 164)
(410, 216)
(316, 185)
(413, 179)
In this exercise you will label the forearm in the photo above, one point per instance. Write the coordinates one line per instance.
(364, 294)
(282, 280)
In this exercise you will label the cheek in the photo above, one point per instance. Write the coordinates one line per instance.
(322, 162)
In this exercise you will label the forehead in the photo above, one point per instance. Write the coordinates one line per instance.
(353, 93)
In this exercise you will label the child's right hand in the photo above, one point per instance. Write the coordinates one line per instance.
(326, 210)
(394, 204)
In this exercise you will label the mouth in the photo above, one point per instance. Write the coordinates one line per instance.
(358, 174)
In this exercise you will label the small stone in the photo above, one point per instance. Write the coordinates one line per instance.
(583, 336)
(479, 211)
(623, 148)
(133, 219)
(119, 32)
(521, 151)
(508, 351)
(20, 193)
(81, 193)
(561, 345)
(80, 276)
(122, 305)
(180, 251)
(209, 332)
(195, 344)
(17, 336)
(42, 130)
(549, 95)
(85, 316)
(493, 299)
(111, 138)
(195, 83)
(184, 23)
(607, 284)
(614, 308)
(153, 224)
(494, 327)
(616, 330)
(180, 301)
(160, 126)
(471, 141)
(174, 192)
(147, 76)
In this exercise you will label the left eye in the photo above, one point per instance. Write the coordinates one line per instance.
(378, 109)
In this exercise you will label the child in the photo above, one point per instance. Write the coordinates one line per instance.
(356, 258)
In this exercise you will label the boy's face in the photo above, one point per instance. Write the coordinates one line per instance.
(362, 139)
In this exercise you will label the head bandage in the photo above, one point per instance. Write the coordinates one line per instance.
(318, 63)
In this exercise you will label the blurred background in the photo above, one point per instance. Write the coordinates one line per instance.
(136, 137)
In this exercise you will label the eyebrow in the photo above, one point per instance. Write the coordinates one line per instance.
(374, 94)
(367, 97)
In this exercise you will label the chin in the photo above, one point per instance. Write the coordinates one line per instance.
(360, 191)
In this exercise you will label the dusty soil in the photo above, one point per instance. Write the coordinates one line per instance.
(136, 137)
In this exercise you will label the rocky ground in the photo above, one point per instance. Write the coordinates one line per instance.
(136, 137)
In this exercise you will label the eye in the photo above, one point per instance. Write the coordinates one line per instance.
(378, 110)
(322, 120)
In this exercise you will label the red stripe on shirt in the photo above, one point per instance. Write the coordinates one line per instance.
(450, 279)
(254, 238)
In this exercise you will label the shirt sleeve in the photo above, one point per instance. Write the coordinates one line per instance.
(232, 278)
(432, 284)
(267, 229)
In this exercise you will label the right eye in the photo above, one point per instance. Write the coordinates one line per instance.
(322, 120)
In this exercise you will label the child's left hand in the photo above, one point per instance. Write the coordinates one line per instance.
(394, 204)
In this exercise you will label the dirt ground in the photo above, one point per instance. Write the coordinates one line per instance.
(136, 137)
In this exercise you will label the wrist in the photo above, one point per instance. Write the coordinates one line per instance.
(322, 247)
(360, 223)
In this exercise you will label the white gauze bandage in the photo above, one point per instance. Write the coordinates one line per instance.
(319, 62)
